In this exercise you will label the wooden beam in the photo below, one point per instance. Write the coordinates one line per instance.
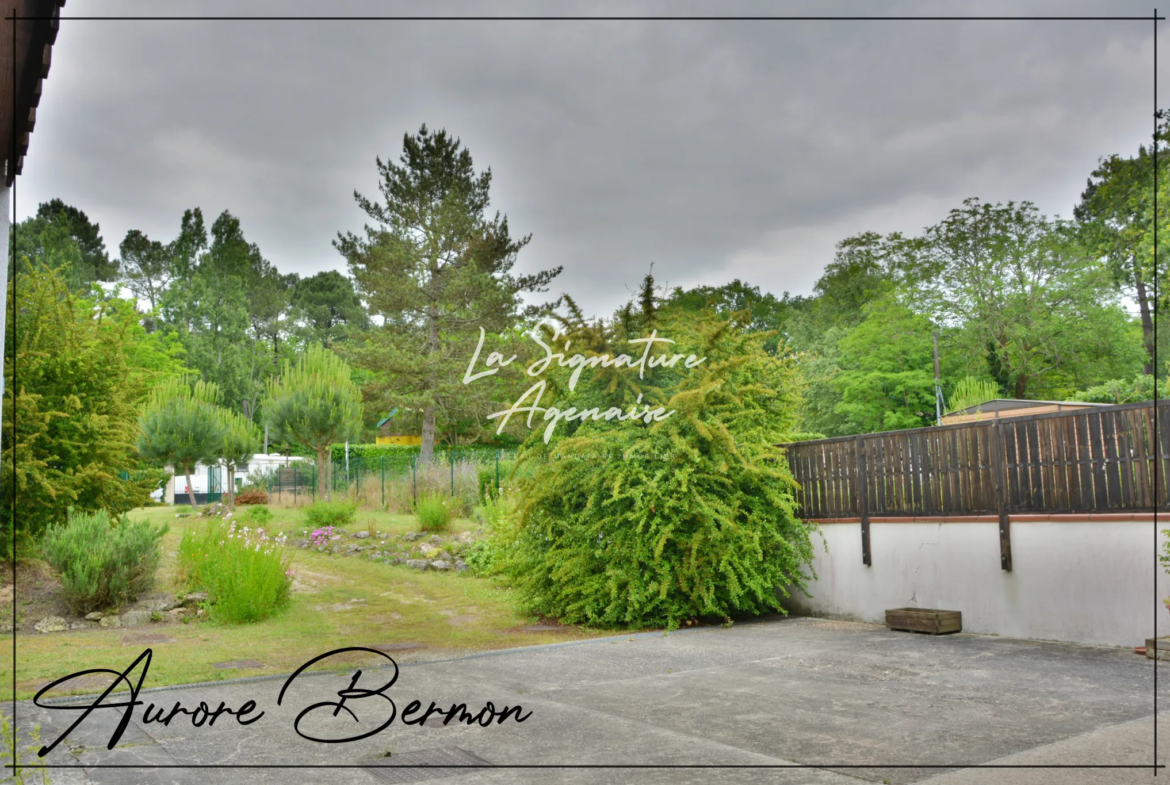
(1005, 531)
(863, 502)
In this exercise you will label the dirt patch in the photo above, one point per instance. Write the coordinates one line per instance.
(543, 624)
(456, 619)
(146, 637)
(37, 593)
(413, 599)
(306, 582)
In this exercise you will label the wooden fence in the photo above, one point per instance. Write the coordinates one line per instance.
(1097, 460)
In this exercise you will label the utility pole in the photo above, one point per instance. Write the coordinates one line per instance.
(938, 396)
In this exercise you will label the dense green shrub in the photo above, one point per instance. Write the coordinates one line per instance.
(637, 524)
(487, 477)
(433, 513)
(338, 514)
(244, 571)
(103, 565)
(259, 515)
(73, 379)
(489, 554)
(1117, 391)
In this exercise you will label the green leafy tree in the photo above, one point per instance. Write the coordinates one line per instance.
(1116, 218)
(241, 441)
(227, 303)
(1117, 391)
(181, 425)
(888, 381)
(314, 402)
(329, 307)
(70, 411)
(63, 238)
(768, 313)
(146, 266)
(1023, 300)
(436, 268)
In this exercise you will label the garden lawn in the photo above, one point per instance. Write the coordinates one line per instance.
(336, 602)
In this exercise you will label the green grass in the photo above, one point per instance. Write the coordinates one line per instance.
(350, 602)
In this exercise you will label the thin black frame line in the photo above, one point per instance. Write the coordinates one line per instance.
(1155, 766)
(12, 317)
(1156, 418)
(489, 766)
(597, 18)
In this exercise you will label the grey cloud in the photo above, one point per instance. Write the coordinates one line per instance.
(712, 149)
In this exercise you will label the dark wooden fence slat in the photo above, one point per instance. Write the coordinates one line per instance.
(1067, 450)
(925, 449)
(1141, 475)
(1154, 455)
(1109, 445)
(1035, 484)
(1097, 456)
(1011, 465)
(1023, 466)
(1085, 463)
(1050, 443)
(975, 438)
(821, 460)
(1162, 422)
(1123, 429)
(1072, 470)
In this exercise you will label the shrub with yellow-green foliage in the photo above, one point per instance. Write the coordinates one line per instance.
(76, 369)
(635, 524)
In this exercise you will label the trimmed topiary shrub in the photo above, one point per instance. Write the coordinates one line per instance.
(103, 564)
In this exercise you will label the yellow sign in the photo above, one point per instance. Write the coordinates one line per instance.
(402, 441)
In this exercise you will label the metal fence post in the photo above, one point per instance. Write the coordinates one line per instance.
(451, 459)
(414, 478)
(382, 461)
(497, 474)
(294, 485)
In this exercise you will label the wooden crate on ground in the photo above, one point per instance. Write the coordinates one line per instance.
(929, 620)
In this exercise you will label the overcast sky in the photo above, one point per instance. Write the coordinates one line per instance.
(715, 150)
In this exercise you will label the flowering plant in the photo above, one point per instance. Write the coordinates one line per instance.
(245, 571)
(320, 538)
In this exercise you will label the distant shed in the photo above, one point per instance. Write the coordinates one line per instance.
(394, 429)
(1003, 408)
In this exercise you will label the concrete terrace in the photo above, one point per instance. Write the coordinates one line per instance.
(812, 692)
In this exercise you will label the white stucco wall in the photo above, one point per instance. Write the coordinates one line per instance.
(1088, 582)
